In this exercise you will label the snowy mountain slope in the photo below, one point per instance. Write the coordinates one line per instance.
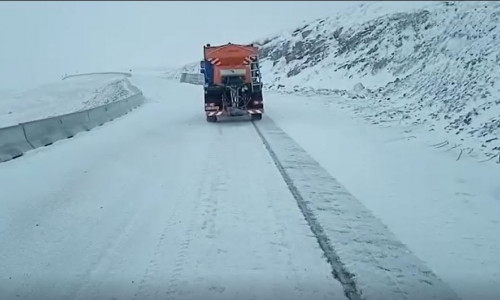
(437, 67)
(69, 95)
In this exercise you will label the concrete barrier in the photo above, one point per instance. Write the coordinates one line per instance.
(16, 140)
(109, 112)
(75, 123)
(114, 110)
(98, 116)
(136, 100)
(44, 132)
(13, 142)
(192, 78)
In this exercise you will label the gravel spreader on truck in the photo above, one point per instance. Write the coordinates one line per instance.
(232, 81)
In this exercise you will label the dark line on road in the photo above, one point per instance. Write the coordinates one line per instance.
(338, 269)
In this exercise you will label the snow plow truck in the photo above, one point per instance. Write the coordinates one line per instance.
(232, 81)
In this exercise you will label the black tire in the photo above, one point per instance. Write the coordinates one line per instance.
(256, 117)
(211, 119)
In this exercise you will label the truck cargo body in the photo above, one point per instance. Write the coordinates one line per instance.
(232, 81)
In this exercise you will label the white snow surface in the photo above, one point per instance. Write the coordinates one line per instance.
(445, 211)
(156, 204)
(66, 96)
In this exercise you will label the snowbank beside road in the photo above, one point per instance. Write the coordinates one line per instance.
(70, 95)
(445, 211)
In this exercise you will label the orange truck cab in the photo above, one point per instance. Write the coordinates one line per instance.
(232, 81)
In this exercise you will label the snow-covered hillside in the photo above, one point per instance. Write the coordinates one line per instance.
(435, 67)
(70, 95)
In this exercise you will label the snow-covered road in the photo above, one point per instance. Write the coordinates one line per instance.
(158, 204)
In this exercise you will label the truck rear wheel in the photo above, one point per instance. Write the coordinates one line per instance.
(256, 117)
(211, 119)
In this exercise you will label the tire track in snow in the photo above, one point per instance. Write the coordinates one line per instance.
(338, 268)
(152, 268)
(284, 242)
(252, 242)
(366, 258)
(167, 245)
(146, 289)
(180, 263)
(165, 242)
(121, 233)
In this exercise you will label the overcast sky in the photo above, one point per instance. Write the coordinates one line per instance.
(40, 41)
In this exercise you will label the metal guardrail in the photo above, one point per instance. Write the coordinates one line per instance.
(18, 139)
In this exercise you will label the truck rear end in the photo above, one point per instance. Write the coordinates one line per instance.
(232, 81)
